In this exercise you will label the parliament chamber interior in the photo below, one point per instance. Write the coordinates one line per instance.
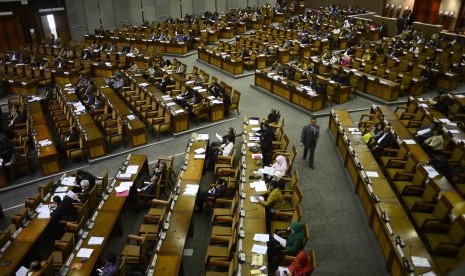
(171, 137)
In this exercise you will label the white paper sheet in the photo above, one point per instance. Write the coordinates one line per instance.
(219, 137)
(254, 122)
(260, 186)
(191, 189)
(84, 252)
(199, 150)
(261, 237)
(44, 212)
(372, 174)
(420, 262)
(132, 169)
(255, 199)
(95, 240)
(203, 137)
(410, 142)
(61, 189)
(22, 271)
(199, 156)
(281, 241)
(260, 249)
(68, 181)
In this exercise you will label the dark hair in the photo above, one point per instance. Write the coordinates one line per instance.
(274, 183)
(111, 257)
(57, 199)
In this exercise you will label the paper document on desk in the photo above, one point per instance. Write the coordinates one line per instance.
(257, 260)
(256, 199)
(72, 195)
(124, 176)
(85, 252)
(281, 241)
(410, 142)
(131, 117)
(45, 143)
(431, 171)
(61, 189)
(120, 189)
(423, 131)
(260, 249)
(203, 137)
(191, 189)
(420, 262)
(199, 156)
(95, 240)
(268, 170)
(132, 169)
(254, 122)
(257, 156)
(199, 150)
(44, 212)
(69, 181)
(219, 137)
(454, 131)
(254, 138)
(260, 186)
(372, 174)
(22, 271)
(261, 237)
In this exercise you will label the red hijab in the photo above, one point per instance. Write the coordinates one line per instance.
(300, 266)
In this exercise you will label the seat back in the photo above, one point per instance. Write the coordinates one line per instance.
(47, 267)
(443, 207)
(33, 202)
(306, 236)
(457, 232)
(45, 189)
(122, 266)
(312, 260)
(431, 192)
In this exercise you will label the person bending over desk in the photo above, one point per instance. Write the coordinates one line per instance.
(84, 191)
(213, 152)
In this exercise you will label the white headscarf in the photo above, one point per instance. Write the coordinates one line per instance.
(281, 164)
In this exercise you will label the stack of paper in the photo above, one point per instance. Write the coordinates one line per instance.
(124, 176)
(131, 117)
(85, 252)
(44, 212)
(123, 186)
(431, 171)
(68, 181)
(261, 237)
(199, 150)
(170, 104)
(44, 143)
(191, 189)
(260, 186)
(95, 240)
(61, 189)
(254, 122)
(132, 169)
(203, 137)
(259, 249)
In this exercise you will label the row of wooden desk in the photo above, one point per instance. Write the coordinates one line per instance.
(378, 199)
(104, 218)
(167, 47)
(39, 131)
(23, 240)
(231, 65)
(168, 259)
(136, 131)
(180, 118)
(88, 129)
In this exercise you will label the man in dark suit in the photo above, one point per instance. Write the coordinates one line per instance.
(272, 117)
(383, 141)
(82, 175)
(400, 24)
(219, 190)
(309, 139)
(266, 143)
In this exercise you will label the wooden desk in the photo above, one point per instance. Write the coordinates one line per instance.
(103, 70)
(291, 93)
(89, 131)
(180, 121)
(22, 87)
(357, 156)
(254, 220)
(233, 65)
(135, 129)
(168, 260)
(106, 218)
(47, 156)
(64, 77)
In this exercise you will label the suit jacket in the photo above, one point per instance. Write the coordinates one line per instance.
(219, 191)
(89, 177)
(149, 189)
(267, 139)
(386, 142)
(310, 135)
(85, 195)
(64, 211)
(272, 118)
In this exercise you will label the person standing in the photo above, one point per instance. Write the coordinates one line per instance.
(309, 139)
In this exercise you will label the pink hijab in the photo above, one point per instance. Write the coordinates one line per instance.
(281, 164)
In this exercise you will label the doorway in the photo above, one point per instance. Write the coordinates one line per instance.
(427, 11)
(48, 23)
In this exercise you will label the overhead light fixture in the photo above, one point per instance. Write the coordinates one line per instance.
(6, 13)
(51, 10)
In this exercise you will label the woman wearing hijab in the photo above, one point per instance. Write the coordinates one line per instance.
(280, 165)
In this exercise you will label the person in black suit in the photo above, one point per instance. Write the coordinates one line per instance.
(400, 24)
(266, 143)
(219, 190)
(309, 139)
(383, 141)
(272, 117)
(440, 162)
(64, 210)
(215, 89)
(164, 83)
(82, 175)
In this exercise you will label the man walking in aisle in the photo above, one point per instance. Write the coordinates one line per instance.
(309, 139)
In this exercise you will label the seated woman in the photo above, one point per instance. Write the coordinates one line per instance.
(280, 165)
(293, 243)
(300, 266)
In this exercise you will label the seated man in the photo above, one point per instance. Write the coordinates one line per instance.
(272, 117)
(15, 117)
(383, 141)
(116, 82)
(219, 190)
(213, 152)
(215, 89)
(434, 143)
